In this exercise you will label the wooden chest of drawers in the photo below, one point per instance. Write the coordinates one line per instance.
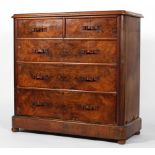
(78, 73)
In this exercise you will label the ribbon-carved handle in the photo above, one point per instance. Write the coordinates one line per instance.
(88, 78)
(91, 28)
(88, 52)
(39, 77)
(39, 29)
(43, 51)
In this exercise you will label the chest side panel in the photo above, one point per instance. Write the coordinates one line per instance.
(132, 88)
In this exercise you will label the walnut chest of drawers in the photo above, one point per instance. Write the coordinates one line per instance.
(78, 73)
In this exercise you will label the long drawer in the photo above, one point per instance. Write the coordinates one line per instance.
(74, 106)
(90, 27)
(67, 76)
(67, 51)
(39, 28)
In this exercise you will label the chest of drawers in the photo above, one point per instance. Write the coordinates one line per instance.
(78, 73)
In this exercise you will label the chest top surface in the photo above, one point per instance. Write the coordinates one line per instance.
(84, 13)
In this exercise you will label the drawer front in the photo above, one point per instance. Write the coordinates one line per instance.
(77, 77)
(91, 27)
(67, 51)
(39, 75)
(90, 77)
(39, 50)
(39, 28)
(85, 107)
(90, 51)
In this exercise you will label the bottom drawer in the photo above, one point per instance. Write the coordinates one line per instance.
(66, 105)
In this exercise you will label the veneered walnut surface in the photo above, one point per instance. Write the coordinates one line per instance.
(41, 28)
(67, 76)
(91, 28)
(81, 51)
(74, 106)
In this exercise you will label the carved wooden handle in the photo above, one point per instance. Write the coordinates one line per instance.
(89, 107)
(88, 52)
(39, 29)
(91, 28)
(40, 51)
(88, 78)
(39, 77)
(40, 104)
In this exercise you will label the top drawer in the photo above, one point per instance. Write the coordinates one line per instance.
(99, 27)
(39, 28)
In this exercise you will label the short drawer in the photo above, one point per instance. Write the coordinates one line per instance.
(67, 51)
(101, 27)
(39, 50)
(39, 28)
(67, 76)
(72, 106)
(90, 51)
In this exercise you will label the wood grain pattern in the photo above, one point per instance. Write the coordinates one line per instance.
(132, 69)
(44, 28)
(110, 132)
(63, 105)
(91, 51)
(39, 50)
(88, 51)
(91, 28)
(78, 77)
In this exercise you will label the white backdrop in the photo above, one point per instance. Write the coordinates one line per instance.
(10, 7)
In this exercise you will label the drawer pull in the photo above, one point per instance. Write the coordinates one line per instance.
(39, 77)
(40, 104)
(40, 51)
(39, 29)
(88, 52)
(91, 28)
(89, 107)
(87, 79)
